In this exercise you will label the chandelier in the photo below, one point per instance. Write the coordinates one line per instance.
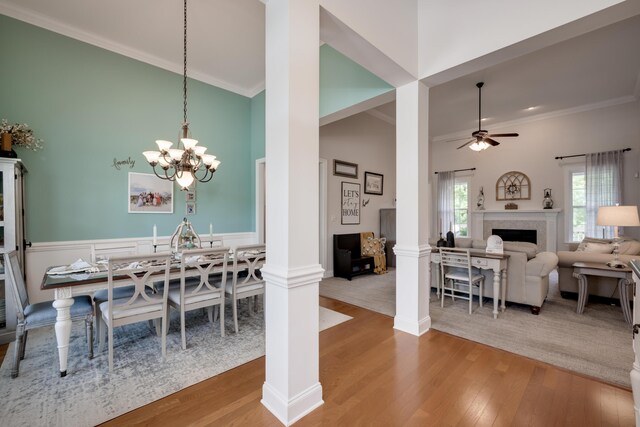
(189, 163)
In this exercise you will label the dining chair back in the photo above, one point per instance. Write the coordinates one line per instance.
(142, 271)
(32, 316)
(458, 277)
(247, 280)
(203, 277)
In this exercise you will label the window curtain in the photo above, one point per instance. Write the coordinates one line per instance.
(446, 188)
(603, 176)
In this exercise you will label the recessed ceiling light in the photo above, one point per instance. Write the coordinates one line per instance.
(484, 119)
(531, 108)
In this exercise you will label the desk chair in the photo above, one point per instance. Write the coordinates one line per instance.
(32, 316)
(458, 277)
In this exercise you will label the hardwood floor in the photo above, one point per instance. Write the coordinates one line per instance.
(375, 376)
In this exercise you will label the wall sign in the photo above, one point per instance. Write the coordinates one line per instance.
(350, 211)
(120, 164)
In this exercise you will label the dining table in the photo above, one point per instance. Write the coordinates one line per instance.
(87, 280)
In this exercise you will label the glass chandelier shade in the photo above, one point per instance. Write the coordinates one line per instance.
(186, 163)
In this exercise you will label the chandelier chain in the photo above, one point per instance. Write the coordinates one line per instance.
(184, 76)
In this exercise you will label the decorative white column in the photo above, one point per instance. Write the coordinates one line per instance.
(412, 210)
(292, 388)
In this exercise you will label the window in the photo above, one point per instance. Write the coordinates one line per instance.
(575, 204)
(461, 208)
(578, 206)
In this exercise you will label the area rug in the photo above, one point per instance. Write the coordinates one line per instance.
(596, 343)
(89, 395)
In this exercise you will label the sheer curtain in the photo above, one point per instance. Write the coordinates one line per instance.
(603, 176)
(446, 185)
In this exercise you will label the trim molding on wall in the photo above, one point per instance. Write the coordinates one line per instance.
(45, 254)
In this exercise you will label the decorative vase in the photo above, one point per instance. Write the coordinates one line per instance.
(547, 202)
(5, 145)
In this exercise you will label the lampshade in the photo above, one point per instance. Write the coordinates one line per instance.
(622, 216)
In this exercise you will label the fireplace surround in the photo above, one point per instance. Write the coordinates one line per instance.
(544, 222)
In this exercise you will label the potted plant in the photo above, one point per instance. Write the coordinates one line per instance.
(17, 134)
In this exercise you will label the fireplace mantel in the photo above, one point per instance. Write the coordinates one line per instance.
(508, 218)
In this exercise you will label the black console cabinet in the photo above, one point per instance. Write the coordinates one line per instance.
(347, 258)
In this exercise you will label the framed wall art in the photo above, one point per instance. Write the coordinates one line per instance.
(149, 194)
(373, 183)
(350, 203)
(346, 169)
(513, 185)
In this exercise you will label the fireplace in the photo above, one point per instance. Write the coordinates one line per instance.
(516, 235)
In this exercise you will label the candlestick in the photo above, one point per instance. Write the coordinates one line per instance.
(155, 235)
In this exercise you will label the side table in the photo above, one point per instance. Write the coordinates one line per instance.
(624, 275)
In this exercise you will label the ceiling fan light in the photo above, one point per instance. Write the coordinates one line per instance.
(476, 146)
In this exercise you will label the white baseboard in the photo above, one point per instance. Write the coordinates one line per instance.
(290, 411)
(46, 254)
(412, 327)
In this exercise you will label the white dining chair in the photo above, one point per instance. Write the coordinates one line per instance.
(144, 305)
(38, 315)
(202, 289)
(246, 279)
(458, 277)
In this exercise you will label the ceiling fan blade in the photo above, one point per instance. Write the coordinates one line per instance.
(490, 141)
(502, 135)
(467, 143)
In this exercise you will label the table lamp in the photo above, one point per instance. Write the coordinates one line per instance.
(618, 216)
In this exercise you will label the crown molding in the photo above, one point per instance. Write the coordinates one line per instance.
(56, 26)
(455, 136)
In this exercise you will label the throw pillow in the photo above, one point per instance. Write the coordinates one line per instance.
(598, 248)
(629, 247)
(586, 240)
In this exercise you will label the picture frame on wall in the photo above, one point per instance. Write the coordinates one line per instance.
(350, 203)
(190, 196)
(373, 183)
(346, 169)
(149, 194)
(190, 208)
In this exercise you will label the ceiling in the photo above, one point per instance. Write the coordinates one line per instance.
(226, 49)
(225, 37)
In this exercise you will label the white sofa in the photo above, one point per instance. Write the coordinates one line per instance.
(527, 272)
(601, 286)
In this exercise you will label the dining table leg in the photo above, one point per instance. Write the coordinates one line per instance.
(63, 302)
(503, 288)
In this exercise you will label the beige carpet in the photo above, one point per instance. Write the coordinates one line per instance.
(596, 343)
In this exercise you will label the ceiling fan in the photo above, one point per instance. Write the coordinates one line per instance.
(481, 138)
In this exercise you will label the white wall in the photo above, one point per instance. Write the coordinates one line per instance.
(370, 143)
(533, 153)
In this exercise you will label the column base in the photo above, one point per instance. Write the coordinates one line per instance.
(412, 327)
(288, 412)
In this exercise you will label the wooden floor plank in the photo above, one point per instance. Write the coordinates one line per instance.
(372, 374)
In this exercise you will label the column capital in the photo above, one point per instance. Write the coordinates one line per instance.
(419, 251)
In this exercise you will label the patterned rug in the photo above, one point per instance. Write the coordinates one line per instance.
(89, 395)
(596, 343)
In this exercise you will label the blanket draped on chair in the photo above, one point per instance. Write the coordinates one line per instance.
(371, 246)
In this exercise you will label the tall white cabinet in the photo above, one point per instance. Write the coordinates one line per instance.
(11, 237)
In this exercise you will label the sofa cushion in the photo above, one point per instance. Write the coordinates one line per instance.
(598, 248)
(531, 249)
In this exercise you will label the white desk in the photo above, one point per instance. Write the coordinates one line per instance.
(484, 261)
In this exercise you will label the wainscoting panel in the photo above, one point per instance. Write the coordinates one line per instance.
(43, 255)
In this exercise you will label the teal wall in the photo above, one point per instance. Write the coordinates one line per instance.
(344, 83)
(91, 106)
